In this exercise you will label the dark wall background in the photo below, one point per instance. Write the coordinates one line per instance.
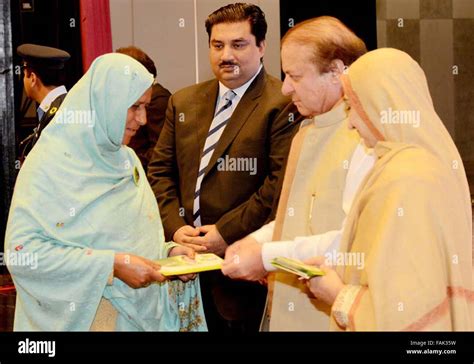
(54, 23)
(359, 15)
(7, 125)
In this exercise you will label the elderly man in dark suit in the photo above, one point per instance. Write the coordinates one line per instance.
(215, 167)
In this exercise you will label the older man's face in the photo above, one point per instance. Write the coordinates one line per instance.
(312, 92)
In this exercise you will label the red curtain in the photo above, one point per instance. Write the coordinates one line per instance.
(96, 32)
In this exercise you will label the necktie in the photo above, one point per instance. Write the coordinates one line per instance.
(40, 113)
(221, 118)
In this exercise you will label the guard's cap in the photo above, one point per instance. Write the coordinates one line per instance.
(38, 56)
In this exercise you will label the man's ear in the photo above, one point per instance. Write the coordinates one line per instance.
(33, 78)
(337, 67)
(262, 47)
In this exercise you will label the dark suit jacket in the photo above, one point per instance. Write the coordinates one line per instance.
(145, 140)
(27, 144)
(237, 202)
(261, 127)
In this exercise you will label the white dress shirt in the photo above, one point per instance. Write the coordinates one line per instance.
(304, 247)
(239, 91)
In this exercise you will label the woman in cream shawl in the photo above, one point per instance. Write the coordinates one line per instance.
(411, 218)
(84, 211)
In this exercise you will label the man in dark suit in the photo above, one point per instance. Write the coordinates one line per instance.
(144, 141)
(43, 78)
(216, 164)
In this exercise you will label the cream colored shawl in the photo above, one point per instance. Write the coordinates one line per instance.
(412, 217)
(310, 203)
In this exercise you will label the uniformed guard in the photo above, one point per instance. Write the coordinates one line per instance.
(43, 73)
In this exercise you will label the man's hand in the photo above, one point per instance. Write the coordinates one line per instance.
(212, 240)
(184, 236)
(135, 271)
(327, 287)
(243, 260)
(190, 253)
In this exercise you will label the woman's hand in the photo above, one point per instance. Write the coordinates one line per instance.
(135, 271)
(327, 287)
(190, 253)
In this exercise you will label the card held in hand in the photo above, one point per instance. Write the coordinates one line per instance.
(297, 267)
(181, 264)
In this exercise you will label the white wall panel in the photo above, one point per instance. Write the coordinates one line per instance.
(166, 30)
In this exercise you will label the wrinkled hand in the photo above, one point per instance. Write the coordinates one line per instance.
(243, 260)
(184, 236)
(327, 287)
(212, 240)
(135, 271)
(189, 252)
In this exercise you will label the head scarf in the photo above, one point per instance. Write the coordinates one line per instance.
(411, 218)
(80, 197)
(390, 92)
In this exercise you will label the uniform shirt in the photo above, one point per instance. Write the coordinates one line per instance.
(48, 100)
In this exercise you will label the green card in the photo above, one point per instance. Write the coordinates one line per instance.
(297, 267)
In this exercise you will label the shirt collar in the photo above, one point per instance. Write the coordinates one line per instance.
(240, 91)
(51, 96)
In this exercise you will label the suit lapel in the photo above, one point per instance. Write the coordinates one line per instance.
(205, 106)
(239, 117)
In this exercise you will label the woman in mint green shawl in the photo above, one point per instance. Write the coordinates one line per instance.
(82, 207)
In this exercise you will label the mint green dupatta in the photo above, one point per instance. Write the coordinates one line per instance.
(80, 197)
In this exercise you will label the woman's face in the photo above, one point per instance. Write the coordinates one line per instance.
(136, 116)
(356, 122)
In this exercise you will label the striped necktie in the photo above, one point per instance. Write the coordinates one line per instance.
(221, 118)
